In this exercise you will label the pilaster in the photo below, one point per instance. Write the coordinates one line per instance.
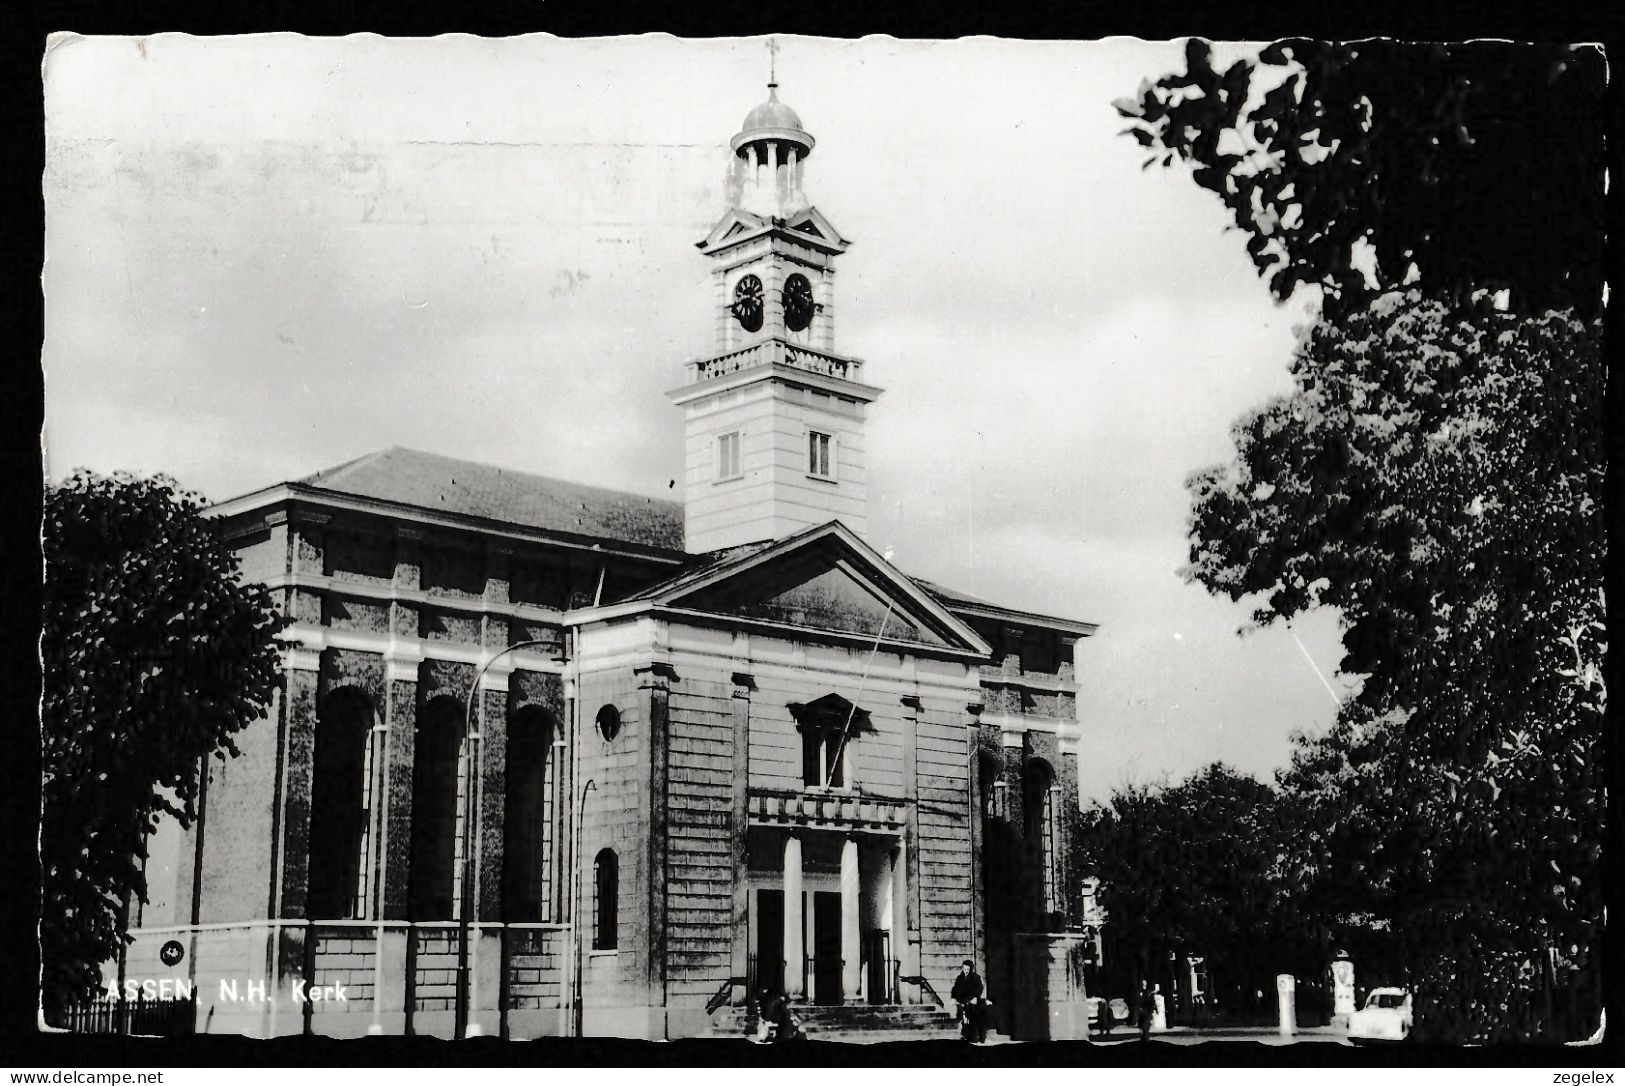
(911, 832)
(401, 711)
(740, 823)
(306, 559)
(301, 676)
(492, 725)
(654, 692)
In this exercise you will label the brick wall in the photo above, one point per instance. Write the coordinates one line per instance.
(236, 831)
(700, 869)
(942, 766)
(536, 966)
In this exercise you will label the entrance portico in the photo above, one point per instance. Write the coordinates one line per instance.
(825, 914)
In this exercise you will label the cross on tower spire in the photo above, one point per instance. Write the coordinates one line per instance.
(772, 63)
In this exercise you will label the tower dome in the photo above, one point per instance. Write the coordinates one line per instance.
(771, 113)
(772, 124)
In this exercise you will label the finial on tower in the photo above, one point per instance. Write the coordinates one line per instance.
(772, 66)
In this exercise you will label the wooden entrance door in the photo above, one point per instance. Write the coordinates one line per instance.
(826, 944)
(769, 941)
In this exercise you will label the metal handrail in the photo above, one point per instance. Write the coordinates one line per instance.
(925, 987)
(723, 994)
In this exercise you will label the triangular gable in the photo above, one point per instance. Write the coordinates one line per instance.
(824, 578)
(732, 225)
(812, 223)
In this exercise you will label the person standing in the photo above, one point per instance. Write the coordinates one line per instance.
(967, 994)
(1145, 1008)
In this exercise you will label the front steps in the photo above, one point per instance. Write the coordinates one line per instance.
(858, 1023)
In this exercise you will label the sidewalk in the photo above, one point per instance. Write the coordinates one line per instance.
(1187, 1035)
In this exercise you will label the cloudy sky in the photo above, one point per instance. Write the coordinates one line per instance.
(267, 255)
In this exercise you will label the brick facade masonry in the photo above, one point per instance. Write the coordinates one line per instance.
(401, 616)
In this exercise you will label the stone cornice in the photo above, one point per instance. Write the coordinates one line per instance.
(1023, 618)
(1012, 724)
(779, 371)
(1029, 680)
(416, 597)
(403, 654)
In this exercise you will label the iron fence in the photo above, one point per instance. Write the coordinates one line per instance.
(140, 1017)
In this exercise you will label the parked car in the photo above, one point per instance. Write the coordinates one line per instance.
(1386, 1016)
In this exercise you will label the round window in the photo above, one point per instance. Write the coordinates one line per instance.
(609, 722)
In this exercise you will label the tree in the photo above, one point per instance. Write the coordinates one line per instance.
(154, 656)
(1194, 869)
(1459, 168)
(1436, 476)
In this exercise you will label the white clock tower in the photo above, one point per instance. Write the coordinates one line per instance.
(774, 417)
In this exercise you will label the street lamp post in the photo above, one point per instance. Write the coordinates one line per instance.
(468, 956)
(575, 911)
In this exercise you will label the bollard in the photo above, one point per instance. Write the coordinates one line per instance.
(1284, 985)
(1342, 990)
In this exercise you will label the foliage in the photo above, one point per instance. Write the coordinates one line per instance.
(1436, 476)
(154, 655)
(1459, 168)
(1191, 868)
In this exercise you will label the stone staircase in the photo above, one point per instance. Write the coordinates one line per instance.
(858, 1023)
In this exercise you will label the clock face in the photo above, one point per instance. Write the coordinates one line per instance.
(747, 305)
(798, 302)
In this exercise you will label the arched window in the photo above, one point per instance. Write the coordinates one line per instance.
(606, 903)
(527, 826)
(1038, 785)
(431, 885)
(339, 804)
(990, 773)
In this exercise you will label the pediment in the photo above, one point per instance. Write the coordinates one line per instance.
(829, 713)
(735, 224)
(813, 223)
(824, 579)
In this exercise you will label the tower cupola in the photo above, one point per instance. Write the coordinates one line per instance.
(769, 159)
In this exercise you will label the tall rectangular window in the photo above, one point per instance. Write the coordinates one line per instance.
(728, 456)
(1052, 902)
(818, 455)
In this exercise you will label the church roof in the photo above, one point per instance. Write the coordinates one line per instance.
(468, 488)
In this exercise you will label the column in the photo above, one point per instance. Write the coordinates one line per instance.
(794, 953)
(851, 899)
(775, 178)
(896, 920)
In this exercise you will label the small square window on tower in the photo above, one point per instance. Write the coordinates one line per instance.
(728, 456)
(819, 459)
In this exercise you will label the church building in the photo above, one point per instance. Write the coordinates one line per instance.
(552, 759)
